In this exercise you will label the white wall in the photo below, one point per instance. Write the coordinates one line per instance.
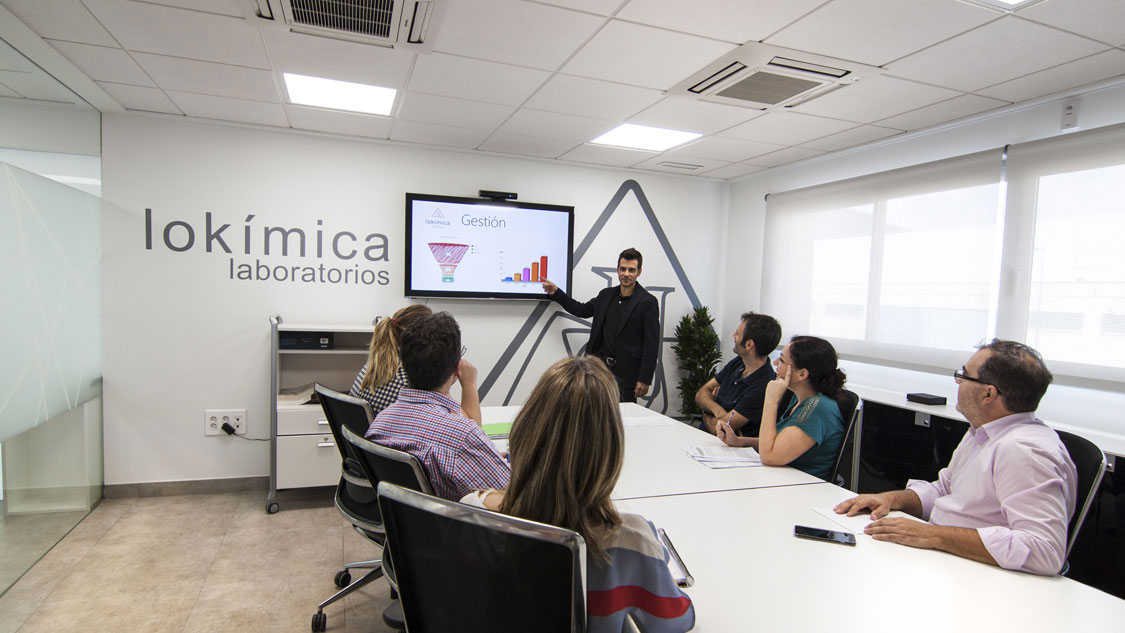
(181, 336)
(748, 208)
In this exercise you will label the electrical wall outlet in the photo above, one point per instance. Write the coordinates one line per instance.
(213, 420)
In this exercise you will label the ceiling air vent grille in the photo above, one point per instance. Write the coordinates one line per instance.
(768, 88)
(683, 166)
(363, 17)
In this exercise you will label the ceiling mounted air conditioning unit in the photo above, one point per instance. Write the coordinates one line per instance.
(393, 23)
(765, 77)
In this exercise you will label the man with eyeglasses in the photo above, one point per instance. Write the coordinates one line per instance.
(1010, 488)
(427, 423)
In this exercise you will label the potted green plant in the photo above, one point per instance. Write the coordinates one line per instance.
(697, 355)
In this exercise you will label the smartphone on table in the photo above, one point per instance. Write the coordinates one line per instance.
(819, 534)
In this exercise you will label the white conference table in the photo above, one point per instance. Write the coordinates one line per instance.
(751, 573)
(656, 465)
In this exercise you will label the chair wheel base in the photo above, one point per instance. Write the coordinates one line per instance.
(343, 578)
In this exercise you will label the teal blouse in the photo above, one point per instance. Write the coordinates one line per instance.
(820, 419)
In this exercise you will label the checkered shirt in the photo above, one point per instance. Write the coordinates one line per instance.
(455, 453)
(384, 394)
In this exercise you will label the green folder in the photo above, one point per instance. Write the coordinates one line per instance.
(497, 430)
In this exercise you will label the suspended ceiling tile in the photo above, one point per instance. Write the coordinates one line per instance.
(693, 115)
(514, 32)
(431, 134)
(39, 86)
(735, 21)
(996, 52)
(786, 128)
(9, 93)
(11, 59)
(604, 155)
(876, 32)
(686, 166)
(600, 7)
(189, 75)
(336, 59)
(222, 7)
(140, 98)
(563, 127)
(1104, 65)
(426, 108)
(104, 64)
(955, 108)
(178, 33)
(337, 122)
(785, 156)
(522, 145)
(61, 20)
(474, 79)
(644, 56)
(851, 138)
(593, 98)
(875, 98)
(227, 109)
(730, 150)
(1102, 20)
(737, 170)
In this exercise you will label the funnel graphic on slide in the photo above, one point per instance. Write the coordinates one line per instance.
(447, 256)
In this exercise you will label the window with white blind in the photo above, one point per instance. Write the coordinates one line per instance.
(896, 264)
(916, 266)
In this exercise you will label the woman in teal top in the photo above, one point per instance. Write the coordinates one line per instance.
(809, 432)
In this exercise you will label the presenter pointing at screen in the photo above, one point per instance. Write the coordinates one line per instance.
(625, 332)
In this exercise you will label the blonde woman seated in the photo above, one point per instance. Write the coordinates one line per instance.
(383, 376)
(807, 435)
(566, 447)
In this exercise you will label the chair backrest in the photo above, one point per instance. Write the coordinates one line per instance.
(1089, 460)
(380, 463)
(848, 402)
(467, 569)
(344, 411)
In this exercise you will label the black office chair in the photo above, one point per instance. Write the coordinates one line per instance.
(467, 569)
(1089, 460)
(355, 495)
(379, 464)
(848, 402)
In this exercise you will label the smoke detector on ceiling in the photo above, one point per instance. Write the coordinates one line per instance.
(409, 24)
(765, 77)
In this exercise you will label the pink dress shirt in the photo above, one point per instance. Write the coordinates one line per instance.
(1014, 482)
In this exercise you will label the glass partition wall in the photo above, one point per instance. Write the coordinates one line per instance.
(50, 314)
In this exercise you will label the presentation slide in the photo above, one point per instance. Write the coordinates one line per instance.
(481, 248)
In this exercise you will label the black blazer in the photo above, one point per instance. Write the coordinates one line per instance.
(638, 341)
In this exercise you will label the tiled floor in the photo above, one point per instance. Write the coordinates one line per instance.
(197, 563)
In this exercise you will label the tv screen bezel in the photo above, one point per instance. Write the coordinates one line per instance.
(411, 292)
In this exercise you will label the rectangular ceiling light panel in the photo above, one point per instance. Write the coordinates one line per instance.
(636, 136)
(339, 95)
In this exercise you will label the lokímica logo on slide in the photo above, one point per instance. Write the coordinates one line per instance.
(437, 218)
(361, 261)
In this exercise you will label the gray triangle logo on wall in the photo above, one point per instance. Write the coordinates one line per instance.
(545, 326)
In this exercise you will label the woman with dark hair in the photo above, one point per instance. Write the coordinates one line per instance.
(807, 435)
(567, 446)
(383, 376)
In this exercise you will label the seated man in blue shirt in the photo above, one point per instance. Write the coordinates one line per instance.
(736, 394)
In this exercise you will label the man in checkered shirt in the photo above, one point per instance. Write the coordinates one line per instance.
(427, 423)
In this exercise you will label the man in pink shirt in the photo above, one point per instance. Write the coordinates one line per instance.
(1010, 488)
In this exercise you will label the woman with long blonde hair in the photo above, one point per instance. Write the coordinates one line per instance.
(383, 376)
(566, 449)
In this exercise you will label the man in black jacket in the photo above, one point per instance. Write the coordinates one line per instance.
(626, 328)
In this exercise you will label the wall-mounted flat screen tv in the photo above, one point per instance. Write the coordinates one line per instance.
(480, 248)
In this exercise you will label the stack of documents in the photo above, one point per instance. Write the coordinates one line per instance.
(724, 456)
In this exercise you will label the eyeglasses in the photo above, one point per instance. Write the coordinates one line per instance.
(463, 350)
(961, 375)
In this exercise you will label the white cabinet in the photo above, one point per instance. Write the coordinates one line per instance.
(303, 451)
